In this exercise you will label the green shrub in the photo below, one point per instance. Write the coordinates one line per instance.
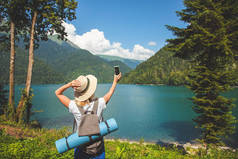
(42, 146)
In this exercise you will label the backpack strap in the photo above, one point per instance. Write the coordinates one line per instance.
(67, 144)
(74, 126)
(82, 111)
(95, 107)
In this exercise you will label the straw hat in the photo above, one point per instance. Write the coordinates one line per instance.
(87, 88)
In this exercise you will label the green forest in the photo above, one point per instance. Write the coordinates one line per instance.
(57, 61)
(162, 68)
(42, 73)
(165, 68)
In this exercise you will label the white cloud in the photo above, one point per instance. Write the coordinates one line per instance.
(95, 42)
(152, 43)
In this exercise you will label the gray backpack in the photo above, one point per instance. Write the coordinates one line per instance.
(89, 125)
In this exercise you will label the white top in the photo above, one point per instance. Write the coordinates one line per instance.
(75, 111)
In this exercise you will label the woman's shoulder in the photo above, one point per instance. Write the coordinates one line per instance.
(100, 100)
(101, 103)
(72, 102)
(72, 105)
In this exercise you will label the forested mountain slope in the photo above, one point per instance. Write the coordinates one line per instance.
(164, 68)
(72, 61)
(129, 62)
(58, 61)
(42, 73)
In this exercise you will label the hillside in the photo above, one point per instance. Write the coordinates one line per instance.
(123, 67)
(57, 61)
(162, 68)
(129, 62)
(70, 60)
(42, 73)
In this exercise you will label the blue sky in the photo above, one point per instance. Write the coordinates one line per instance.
(122, 27)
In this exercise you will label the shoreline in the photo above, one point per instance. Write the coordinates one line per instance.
(161, 143)
(188, 147)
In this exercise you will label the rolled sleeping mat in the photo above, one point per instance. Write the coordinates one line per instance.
(74, 140)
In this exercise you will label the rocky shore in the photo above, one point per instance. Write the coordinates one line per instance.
(190, 148)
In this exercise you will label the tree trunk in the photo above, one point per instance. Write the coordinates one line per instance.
(11, 73)
(31, 55)
(23, 111)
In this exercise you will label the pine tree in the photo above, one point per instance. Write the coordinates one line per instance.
(209, 41)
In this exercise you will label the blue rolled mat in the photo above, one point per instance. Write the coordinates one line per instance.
(74, 140)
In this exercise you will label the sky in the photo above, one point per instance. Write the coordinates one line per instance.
(132, 29)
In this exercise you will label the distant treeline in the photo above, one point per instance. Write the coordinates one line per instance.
(164, 68)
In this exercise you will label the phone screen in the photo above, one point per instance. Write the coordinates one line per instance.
(116, 70)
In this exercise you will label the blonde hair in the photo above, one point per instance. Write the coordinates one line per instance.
(83, 103)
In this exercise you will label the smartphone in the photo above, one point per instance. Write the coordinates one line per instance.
(116, 68)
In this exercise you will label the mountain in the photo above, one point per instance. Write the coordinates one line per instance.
(123, 67)
(70, 60)
(58, 61)
(162, 68)
(129, 62)
(42, 73)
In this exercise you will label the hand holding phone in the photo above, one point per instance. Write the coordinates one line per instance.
(117, 71)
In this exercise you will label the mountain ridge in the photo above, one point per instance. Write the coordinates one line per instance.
(161, 68)
(132, 63)
(75, 61)
(164, 68)
(61, 58)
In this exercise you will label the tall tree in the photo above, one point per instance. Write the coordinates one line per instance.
(210, 41)
(47, 17)
(3, 99)
(13, 15)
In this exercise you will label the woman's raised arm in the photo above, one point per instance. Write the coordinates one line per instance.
(59, 92)
(109, 94)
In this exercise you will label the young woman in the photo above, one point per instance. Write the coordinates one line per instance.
(84, 89)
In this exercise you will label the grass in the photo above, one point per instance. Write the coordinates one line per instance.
(40, 144)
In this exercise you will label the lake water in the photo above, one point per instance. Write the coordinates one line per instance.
(154, 113)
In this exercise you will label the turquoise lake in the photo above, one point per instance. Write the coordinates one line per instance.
(154, 113)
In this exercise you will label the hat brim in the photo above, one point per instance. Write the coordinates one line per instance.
(90, 91)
